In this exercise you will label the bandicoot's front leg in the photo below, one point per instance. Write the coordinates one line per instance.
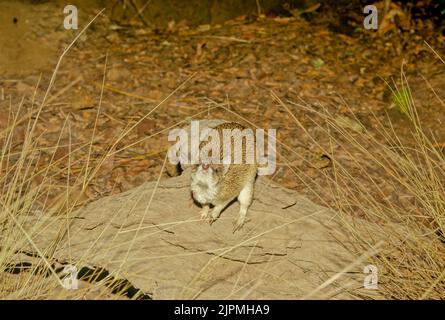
(245, 199)
(217, 211)
(205, 211)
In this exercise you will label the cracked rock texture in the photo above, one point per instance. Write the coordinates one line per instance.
(153, 237)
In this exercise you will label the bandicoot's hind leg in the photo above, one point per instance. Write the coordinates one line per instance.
(245, 199)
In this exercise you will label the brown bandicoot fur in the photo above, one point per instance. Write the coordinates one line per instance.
(218, 184)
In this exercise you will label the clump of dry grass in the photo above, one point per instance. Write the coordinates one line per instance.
(30, 176)
(29, 189)
(21, 166)
(398, 188)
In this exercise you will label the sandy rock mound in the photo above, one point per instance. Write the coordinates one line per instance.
(153, 238)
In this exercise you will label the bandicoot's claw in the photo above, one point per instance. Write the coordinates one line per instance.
(237, 226)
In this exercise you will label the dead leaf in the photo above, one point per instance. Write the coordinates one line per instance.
(321, 161)
(145, 126)
(348, 123)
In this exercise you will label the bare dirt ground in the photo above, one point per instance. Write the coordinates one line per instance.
(230, 71)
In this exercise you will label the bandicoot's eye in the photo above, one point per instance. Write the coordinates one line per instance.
(216, 170)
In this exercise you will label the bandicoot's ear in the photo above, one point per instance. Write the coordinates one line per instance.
(226, 168)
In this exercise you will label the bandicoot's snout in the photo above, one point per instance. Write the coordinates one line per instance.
(205, 166)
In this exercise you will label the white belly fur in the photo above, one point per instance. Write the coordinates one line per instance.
(203, 188)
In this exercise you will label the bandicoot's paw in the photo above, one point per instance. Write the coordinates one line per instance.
(212, 219)
(204, 213)
(238, 224)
